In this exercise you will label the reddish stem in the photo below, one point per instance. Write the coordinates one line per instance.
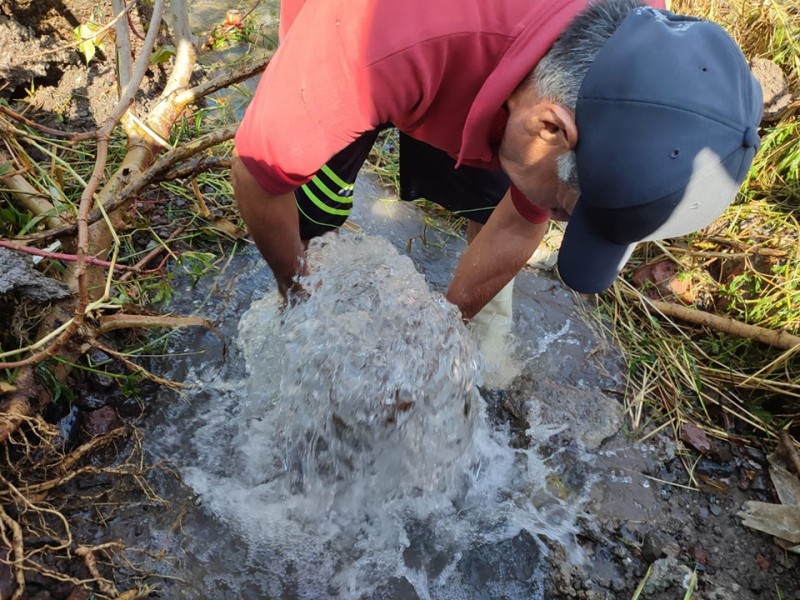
(59, 255)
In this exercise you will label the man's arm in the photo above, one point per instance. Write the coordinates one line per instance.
(496, 255)
(273, 223)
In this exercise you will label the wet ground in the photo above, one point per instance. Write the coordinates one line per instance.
(631, 515)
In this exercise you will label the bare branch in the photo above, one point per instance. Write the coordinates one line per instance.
(123, 41)
(135, 184)
(242, 73)
(779, 339)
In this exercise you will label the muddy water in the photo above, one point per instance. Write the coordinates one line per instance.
(343, 449)
(206, 18)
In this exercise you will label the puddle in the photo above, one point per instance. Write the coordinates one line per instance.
(342, 449)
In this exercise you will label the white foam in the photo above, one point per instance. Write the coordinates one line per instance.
(358, 423)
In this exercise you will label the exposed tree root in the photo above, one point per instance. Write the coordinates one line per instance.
(87, 553)
(138, 368)
(29, 498)
(12, 414)
(779, 339)
(30, 197)
(7, 524)
(122, 321)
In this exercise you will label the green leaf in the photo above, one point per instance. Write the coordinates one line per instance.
(87, 34)
(87, 49)
(162, 54)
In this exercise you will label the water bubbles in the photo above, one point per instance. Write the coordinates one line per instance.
(358, 445)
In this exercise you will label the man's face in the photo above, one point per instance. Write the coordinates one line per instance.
(538, 136)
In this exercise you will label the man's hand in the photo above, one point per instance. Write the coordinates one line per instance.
(496, 254)
(273, 223)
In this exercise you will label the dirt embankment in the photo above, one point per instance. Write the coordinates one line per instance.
(42, 66)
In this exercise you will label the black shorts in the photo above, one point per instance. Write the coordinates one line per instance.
(325, 202)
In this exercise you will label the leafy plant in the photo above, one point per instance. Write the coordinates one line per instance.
(91, 37)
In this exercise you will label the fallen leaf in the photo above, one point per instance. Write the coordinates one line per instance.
(695, 437)
(788, 545)
(786, 485)
(657, 272)
(780, 520)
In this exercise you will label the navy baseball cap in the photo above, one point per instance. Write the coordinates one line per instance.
(667, 119)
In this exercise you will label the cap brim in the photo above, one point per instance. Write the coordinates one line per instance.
(587, 262)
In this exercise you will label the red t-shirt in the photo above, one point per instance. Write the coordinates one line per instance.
(439, 70)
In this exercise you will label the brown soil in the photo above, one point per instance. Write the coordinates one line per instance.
(51, 78)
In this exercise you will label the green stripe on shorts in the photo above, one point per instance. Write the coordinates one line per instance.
(324, 207)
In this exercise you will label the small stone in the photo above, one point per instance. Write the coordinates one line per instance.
(755, 454)
(712, 469)
(100, 421)
(716, 510)
(671, 549)
(652, 546)
(700, 555)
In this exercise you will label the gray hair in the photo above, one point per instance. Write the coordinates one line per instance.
(560, 72)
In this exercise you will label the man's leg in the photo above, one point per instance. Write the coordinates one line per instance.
(325, 202)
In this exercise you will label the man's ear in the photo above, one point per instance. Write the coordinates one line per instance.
(556, 125)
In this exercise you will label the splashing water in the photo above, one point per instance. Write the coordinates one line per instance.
(356, 458)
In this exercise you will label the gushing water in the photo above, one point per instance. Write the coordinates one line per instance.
(355, 458)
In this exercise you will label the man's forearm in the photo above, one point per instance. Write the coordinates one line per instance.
(273, 223)
(495, 256)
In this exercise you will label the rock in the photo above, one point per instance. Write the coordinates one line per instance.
(666, 573)
(777, 97)
(652, 546)
(618, 584)
(585, 414)
(100, 421)
(18, 276)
